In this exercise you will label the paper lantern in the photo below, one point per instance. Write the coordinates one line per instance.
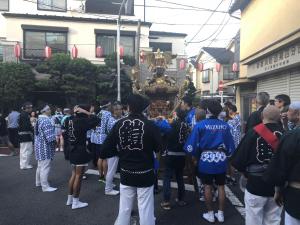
(99, 51)
(74, 52)
(48, 52)
(235, 67)
(218, 67)
(182, 64)
(17, 51)
(142, 56)
(121, 51)
(200, 67)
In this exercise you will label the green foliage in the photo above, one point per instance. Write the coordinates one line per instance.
(129, 60)
(111, 61)
(191, 90)
(42, 68)
(59, 63)
(16, 83)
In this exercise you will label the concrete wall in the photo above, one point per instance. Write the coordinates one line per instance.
(80, 33)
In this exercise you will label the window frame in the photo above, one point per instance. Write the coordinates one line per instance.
(231, 74)
(205, 81)
(55, 8)
(113, 33)
(6, 10)
(45, 32)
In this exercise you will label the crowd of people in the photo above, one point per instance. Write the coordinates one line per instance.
(205, 142)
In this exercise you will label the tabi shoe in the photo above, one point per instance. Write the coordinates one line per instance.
(70, 200)
(112, 192)
(220, 216)
(78, 204)
(209, 216)
(165, 205)
(38, 185)
(49, 189)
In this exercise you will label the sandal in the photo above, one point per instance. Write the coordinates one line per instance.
(165, 205)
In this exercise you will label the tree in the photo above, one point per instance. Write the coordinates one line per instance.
(16, 84)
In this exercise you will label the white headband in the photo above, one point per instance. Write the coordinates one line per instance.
(295, 105)
(45, 109)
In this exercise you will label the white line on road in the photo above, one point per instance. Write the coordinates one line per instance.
(229, 194)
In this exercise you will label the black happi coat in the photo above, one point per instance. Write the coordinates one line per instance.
(76, 133)
(25, 126)
(254, 150)
(285, 167)
(134, 139)
(254, 119)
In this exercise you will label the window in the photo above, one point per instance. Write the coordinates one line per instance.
(109, 42)
(4, 5)
(52, 5)
(36, 41)
(165, 47)
(1, 53)
(206, 76)
(227, 73)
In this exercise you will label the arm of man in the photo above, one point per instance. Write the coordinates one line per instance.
(109, 147)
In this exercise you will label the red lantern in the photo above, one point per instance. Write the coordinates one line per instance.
(142, 56)
(48, 52)
(218, 67)
(121, 51)
(200, 67)
(221, 85)
(74, 52)
(99, 51)
(17, 51)
(182, 64)
(235, 67)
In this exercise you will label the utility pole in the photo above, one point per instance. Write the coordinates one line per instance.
(118, 50)
(144, 10)
(138, 43)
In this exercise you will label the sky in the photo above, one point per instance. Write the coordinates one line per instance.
(218, 32)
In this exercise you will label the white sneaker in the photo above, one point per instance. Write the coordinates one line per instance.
(202, 199)
(220, 216)
(112, 192)
(38, 185)
(26, 167)
(70, 200)
(209, 216)
(49, 189)
(79, 204)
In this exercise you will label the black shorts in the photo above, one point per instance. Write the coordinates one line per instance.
(209, 179)
(97, 149)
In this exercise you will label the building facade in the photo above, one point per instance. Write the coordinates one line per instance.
(61, 24)
(270, 50)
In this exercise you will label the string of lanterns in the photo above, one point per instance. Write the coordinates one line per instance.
(235, 67)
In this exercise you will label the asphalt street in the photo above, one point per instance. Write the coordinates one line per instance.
(21, 203)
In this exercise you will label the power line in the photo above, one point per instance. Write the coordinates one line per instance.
(175, 8)
(204, 22)
(190, 24)
(219, 32)
(191, 6)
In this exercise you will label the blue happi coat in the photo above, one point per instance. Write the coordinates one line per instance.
(44, 141)
(211, 141)
(191, 118)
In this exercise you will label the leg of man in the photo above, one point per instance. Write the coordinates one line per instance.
(23, 155)
(168, 172)
(180, 183)
(272, 213)
(44, 173)
(254, 206)
(146, 205)
(112, 164)
(289, 220)
(38, 175)
(28, 150)
(127, 196)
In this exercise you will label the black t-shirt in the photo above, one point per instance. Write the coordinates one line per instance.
(25, 128)
(3, 126)
(254, 119)
(134, 139)
(254, 150)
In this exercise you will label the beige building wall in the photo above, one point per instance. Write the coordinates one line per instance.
(265, 22)
(80, 33)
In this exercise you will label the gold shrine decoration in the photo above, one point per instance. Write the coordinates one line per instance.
(158, 59)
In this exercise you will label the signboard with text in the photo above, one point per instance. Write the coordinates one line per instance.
(283, 58)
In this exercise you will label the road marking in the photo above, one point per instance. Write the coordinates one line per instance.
(229, 194)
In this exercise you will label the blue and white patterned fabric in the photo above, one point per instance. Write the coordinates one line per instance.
(210, 141)
(44, 139)
(99, 135)
(236, 129)
(191, 118)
